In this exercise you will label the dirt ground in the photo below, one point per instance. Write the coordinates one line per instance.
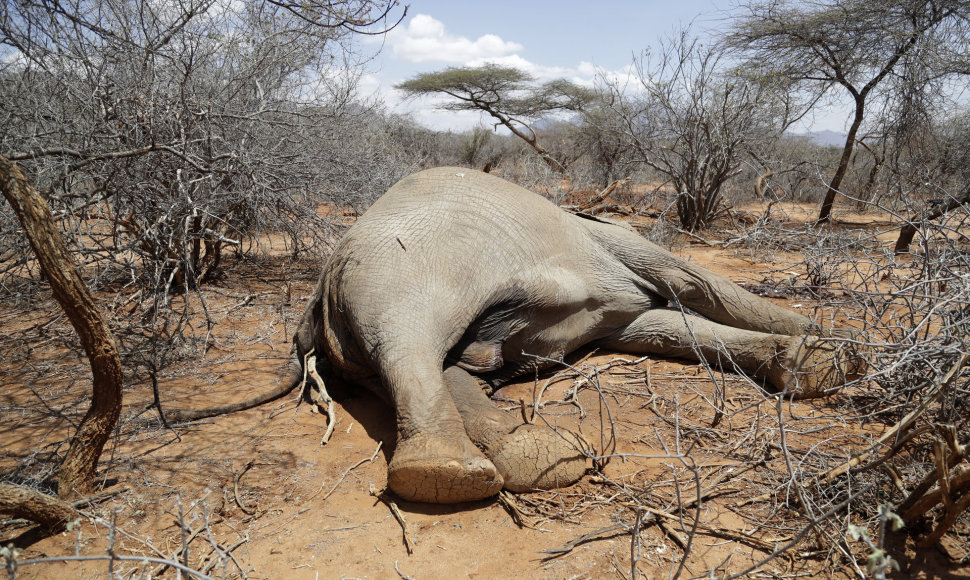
(697, 485)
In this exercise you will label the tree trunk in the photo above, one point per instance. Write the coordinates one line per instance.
(907, 232)
(77, 474)
(544, 154)
(35, 506)
(826, 210)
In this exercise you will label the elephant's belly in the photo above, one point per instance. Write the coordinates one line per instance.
(554, 335)
(563, 311)
(545, 336)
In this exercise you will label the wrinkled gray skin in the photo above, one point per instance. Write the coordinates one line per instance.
(455, 273)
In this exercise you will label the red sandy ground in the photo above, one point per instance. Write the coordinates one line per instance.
(259, 481)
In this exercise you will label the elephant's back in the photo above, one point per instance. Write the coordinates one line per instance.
(452, 219)
(456, 197)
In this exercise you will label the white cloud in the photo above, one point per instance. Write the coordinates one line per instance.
(426, 43)
(424, 39)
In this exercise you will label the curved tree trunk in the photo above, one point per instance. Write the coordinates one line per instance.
(50, 512)
(77, 474)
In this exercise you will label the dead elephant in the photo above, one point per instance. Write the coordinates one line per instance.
(455, 272)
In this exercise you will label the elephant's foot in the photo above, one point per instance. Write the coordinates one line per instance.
(441, 469)
(809, 367)
(536, 457)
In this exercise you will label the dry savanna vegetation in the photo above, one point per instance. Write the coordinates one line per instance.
(175, 174)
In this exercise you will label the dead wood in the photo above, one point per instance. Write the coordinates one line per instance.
(521, 519)
(398, 515)
(908, 231)
(956, 484)
(596, 199)
(933, 396)
(553, 553)
(30, 504)
(346, 472)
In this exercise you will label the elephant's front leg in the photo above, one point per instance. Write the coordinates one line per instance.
(527, 456)
(804, 366)
(434, 460)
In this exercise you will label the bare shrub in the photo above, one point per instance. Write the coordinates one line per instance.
(164, 135)
(482, 148)
(694, 121)
(914, 317)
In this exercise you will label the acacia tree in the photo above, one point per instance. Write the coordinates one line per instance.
(693, 119)
(509, 95)
(853, 44)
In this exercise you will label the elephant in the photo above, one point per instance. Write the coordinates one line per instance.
(455, 280)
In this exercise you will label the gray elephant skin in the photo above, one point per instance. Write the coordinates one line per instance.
(456, 279)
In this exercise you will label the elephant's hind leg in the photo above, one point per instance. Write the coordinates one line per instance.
(434, 460)
(804, 366)
(527, 456)
(697, 288)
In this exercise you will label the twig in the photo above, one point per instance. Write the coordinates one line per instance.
(98, 497)
(674, 536)
(710, 531)
(525, 416)
(635, 543)
(798, 538)
(903, 423)
(714, 487)
(507, 501)
(318, 395)
(235, 489)
(228, 554)
(396, 511)
(709, 243)
(401, 574)
(602, 195)
(553, 553)
(900, 427)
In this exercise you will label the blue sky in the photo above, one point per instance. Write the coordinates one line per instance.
(562, 38)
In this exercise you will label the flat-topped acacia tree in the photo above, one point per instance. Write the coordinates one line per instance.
(510, 96)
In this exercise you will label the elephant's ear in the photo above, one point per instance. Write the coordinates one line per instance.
(604, 220)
